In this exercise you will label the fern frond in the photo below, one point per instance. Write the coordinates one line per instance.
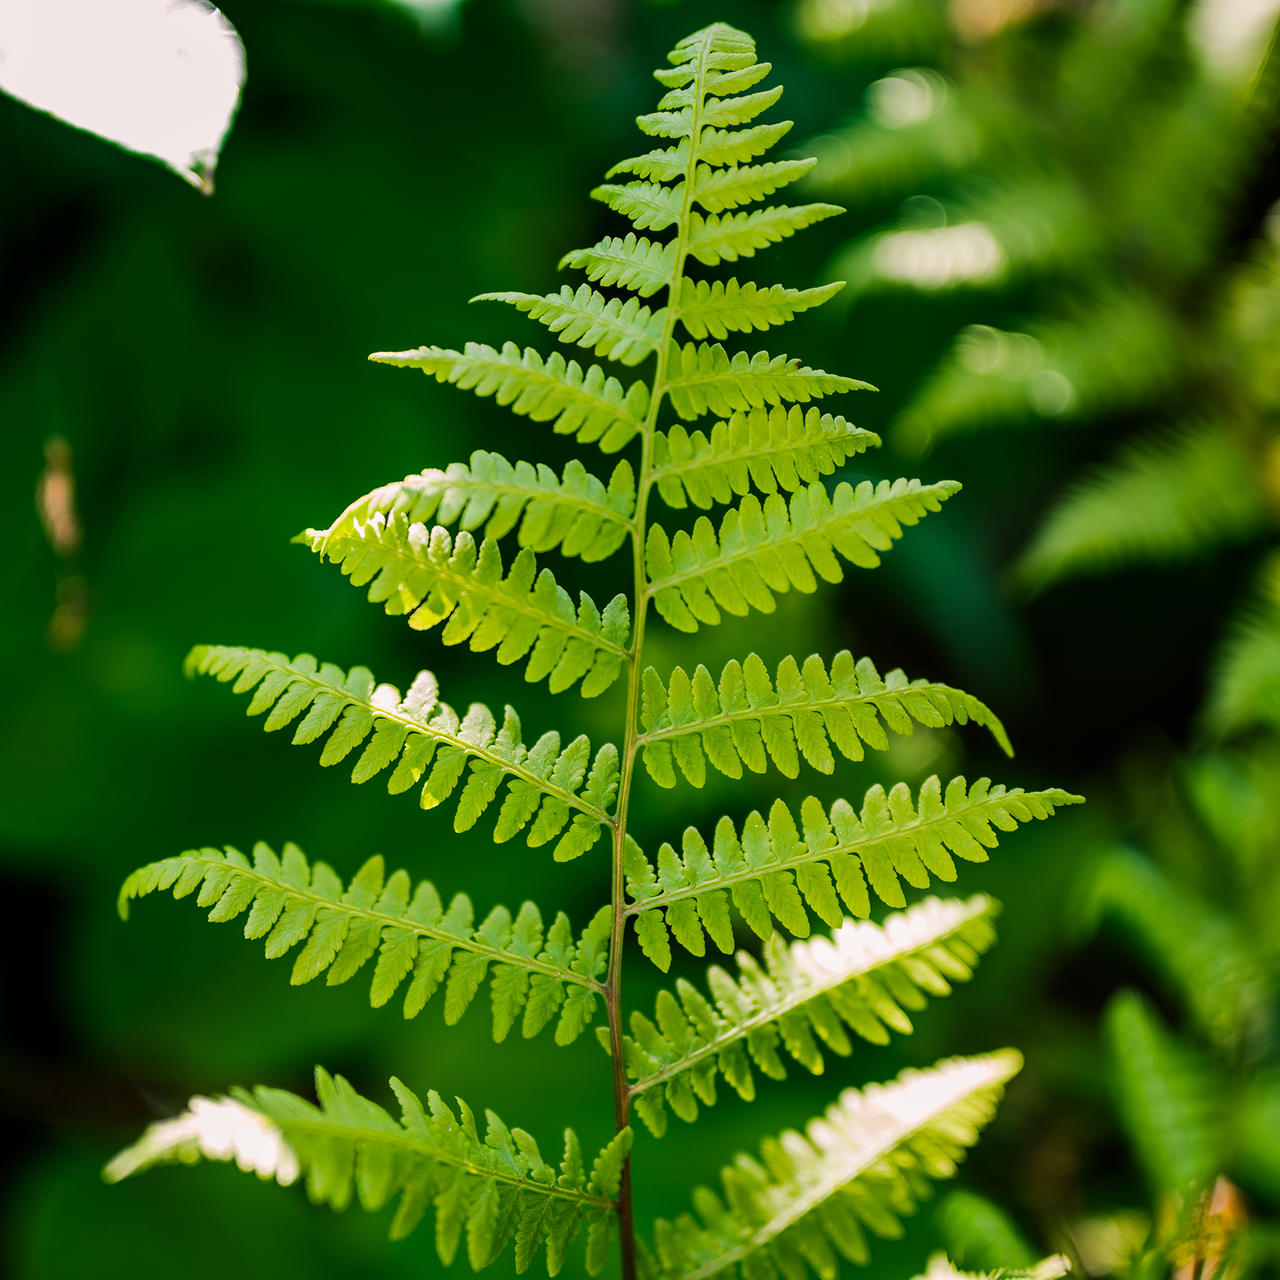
(649, 205)
(719, 189)
(535, 971)
(1167, 1096)
(768, 867)
(716, 308)
(719, 238)
(1194, 946)
(629, 262)
(861, 978)
(430, 576)
(576, 514)
(745, 720)
(589, 405)
(1166, 500)
(497, 1188)
(1246, 684)
(867, 1160)
(421, 732)
(763, 548)
(704, 378)
(770, 448)
(621, 331)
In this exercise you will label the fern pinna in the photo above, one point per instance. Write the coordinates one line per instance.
(431, 547)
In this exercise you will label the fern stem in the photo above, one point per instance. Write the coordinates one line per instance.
(631, 744)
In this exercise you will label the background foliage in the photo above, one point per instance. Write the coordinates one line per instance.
(205, 360)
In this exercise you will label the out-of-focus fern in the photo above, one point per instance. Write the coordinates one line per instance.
(764, 453)
(1166, 1094)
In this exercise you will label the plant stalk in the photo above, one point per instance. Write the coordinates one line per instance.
(630, 744)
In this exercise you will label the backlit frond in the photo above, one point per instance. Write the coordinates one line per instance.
(426, 737)
(622, 331)
(714, 308)
(832, 858)
(862, 978)
(431, 576)
(590, 405)
(769, 448)
(746, 720)
(774, 546)
(576, 514)
(865, 1163)
(540, 972)
(497, 1188)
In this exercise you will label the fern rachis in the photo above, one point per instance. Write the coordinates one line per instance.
(428, 548)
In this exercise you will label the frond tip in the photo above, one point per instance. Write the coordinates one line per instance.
(746, 720)
(290, 902)
(422, 733)
(497, 1188)
(862, 978)
(865, 1162)
(768, 868)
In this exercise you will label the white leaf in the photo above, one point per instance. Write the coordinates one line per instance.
(161, 77)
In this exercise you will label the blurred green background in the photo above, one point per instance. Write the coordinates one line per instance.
(1063, 278)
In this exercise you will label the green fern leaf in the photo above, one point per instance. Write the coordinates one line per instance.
(1195, 946)
(770, 448)
(719, 189)
(719, 238)
(703, 378)
(590, 405)
(498, 1187)
(431, 576)
(766, 548)
(576, 514)
(1246, 683)
(715, 308)
(290, 902)
(649, 205)
(621, 331)
(426, 737)
(768, 866)
(862, 978)
(628, 262)
(745, 720)
(867, 1160)
(1167, 500)
(1168, 1097)
(715, 147)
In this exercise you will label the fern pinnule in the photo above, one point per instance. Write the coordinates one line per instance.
(431, 577)
(745, 720)
(576, 515)
(768, 448)
(770, 872)
(496, 1188)
(773, 546)
(421, 733)
(863, 977)
(588, 404)
(538, 972)
(866, 1161)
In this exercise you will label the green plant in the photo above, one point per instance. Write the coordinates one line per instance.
(865, 1162)
(1139, 317)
